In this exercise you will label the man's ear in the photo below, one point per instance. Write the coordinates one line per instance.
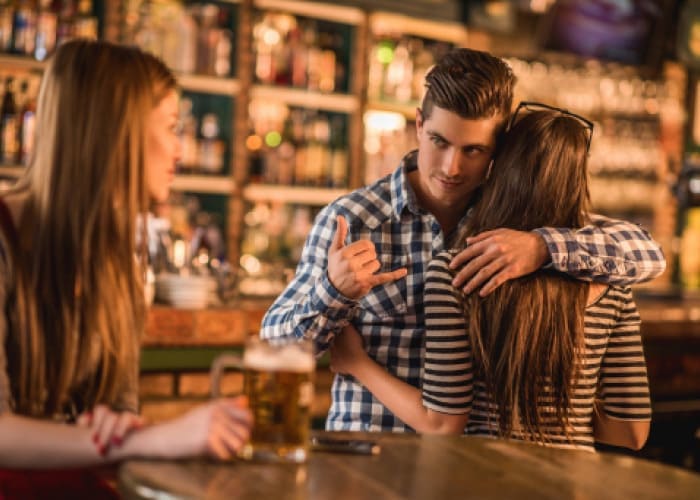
(419, 118)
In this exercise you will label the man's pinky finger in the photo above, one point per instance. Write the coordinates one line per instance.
(396, 274)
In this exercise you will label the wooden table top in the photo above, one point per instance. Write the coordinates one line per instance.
(419, 467)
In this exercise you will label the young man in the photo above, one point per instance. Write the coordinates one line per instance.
(365, 259)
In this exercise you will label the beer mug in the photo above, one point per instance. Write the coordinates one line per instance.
(278, 381)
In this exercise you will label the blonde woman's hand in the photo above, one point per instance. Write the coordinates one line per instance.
(109, 427)
(347, 351)
(217, 429)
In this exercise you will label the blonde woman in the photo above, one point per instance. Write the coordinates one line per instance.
(544, 357)
(70, 285)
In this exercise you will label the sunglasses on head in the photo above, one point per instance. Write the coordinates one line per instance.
(538, 106)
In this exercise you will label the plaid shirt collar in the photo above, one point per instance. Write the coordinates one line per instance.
(404, 195)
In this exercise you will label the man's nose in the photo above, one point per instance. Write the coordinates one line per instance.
(453, 159)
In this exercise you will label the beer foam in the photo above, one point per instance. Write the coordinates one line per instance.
(288, 358)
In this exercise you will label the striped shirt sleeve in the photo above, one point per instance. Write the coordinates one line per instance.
(447, 368)
(623, 384)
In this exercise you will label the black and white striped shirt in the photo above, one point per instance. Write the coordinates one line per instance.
(614, 367)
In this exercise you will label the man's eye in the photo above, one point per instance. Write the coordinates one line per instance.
(438, 141)
(473, 151)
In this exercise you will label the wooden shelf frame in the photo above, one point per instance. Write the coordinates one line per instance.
(292, 194)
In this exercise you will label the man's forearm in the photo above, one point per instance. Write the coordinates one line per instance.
(608, 251)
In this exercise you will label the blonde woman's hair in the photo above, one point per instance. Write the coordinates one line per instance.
(78, 286)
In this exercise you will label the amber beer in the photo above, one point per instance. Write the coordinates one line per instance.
(278, 381)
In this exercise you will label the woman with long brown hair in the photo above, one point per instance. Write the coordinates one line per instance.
(71, 271)
(544, 357)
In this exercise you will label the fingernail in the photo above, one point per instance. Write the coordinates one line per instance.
(95, 439)
(117, 441)
(102, 450)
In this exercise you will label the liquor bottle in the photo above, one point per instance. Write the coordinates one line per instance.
(338, 175)
(223, 47)
(9, 126)
(319, 155)
(211, 147)
(148, 35)
(84, 23)
(27, 121)
(266, 38)
(314, 57)
(286, 153)
(24, 28)
(208, 36)
(327, 61)
(189, 158)
(399, 74)
(298, 137)
(46, 25)
(422, 61)
(184, 57)
(299, 54)
(7, 14)
(65, 28)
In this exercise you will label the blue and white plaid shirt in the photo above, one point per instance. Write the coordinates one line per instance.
(391, 317)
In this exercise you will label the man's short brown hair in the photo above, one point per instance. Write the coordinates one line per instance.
(470, 83)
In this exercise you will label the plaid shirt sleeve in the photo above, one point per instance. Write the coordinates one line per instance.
(607, 250)
(310, 306)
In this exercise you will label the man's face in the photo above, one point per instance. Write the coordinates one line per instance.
(453, 156)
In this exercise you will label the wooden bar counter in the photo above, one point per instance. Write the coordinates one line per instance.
(418, 467)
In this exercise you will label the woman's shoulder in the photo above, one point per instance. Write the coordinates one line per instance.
(441, 261)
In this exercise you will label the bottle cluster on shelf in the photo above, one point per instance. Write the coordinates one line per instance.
(193, 38)
(625, 107)
(17, 118)
(301, 52)
(627, 154)
(297, 146)
(388, 137)
(203, 149)
(397, 67)
(184, 235)
(273, 238)
(34, 28)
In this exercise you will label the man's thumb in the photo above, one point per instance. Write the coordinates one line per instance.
(341, 231)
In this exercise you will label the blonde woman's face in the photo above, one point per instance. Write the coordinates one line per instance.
(162, 147)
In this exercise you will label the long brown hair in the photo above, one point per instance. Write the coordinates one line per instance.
(78, 287)
(527, 334)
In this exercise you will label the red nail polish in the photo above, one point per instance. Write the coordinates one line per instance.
(94, 438)
(117, 441)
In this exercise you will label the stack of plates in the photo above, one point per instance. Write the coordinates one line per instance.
(186, 292)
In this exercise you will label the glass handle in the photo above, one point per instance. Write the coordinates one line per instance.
(218, 367)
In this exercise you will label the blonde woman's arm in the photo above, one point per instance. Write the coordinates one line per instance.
(217, 429)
